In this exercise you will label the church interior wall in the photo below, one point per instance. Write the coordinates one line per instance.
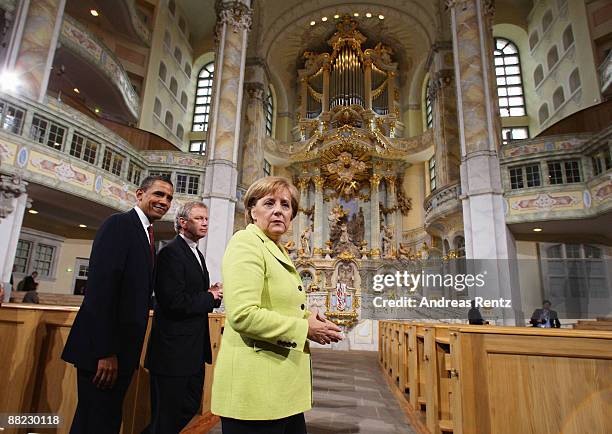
(166, 30)
(530, 278)
(70, 250)
(578, 55)
(599, 15)
(414, 186)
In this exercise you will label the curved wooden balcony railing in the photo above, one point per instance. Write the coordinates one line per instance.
(86, 45)
(442, 202)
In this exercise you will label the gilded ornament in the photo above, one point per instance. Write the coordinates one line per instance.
(235, 14)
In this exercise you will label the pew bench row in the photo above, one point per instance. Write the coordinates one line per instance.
(488, 379)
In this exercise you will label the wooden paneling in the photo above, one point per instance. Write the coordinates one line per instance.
(35, 379)
(487, 379)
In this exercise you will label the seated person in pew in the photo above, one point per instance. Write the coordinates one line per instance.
(474, 315)
(545, 317)
(31, 297)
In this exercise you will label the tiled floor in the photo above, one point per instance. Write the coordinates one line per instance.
(351, 396)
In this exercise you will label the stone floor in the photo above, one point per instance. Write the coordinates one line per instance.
(351, 396)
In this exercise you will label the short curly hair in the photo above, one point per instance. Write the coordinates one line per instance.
(265, 186)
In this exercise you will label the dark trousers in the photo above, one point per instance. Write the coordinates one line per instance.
(295, 424)
(174, 402)
(99, 410)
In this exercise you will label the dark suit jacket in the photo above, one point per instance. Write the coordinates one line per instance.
(115, 310)
(28, 284)
(180, 342)
(553, 318)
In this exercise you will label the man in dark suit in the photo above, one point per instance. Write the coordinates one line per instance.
(545, 317)
(28, 283)
(180, 343)
(106, 338)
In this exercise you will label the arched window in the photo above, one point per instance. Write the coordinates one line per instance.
(184, 99)
(173, 86)
(460, 246)
(568, 37)
(431, 165)
(201, 109)
(553, 57)
(509, 78)
(543, 113)
(558, 97)
(574, 80)
(534, 39)
(157, 108)
(178, 55)
(172, 6)
(169, 120)
(188, 69)
(180, 131)
(538, 75)
(269, 108)
(428, 106)
(547, 20)
(182, 24)
(162, 71)
(167, 39)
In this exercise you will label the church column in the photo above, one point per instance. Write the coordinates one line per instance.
(34, 44)
(255, 130)
(318, 214)
(375, 215)
(486, 233)
(393, 220)
(443, 96)
(233, 24)
(13, 200)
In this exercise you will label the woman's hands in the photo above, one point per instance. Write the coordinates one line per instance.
(322, 330)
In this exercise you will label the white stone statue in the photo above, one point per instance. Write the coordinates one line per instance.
(305, 241)
(387, 240)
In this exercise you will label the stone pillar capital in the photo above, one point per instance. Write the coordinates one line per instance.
(488, 6)
(11, 187)
(302, 183)
(255, 90)
(234, 13)
(439, 81)
(375, 180)
(391, 179)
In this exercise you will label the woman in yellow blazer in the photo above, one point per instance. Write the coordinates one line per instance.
(262, 379)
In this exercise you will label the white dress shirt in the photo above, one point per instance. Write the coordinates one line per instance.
(194, 248)
(144, 220)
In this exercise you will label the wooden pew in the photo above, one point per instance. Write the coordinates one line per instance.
(437, 381)
(36, 380)
(530, 380)
(598, 324)
(483, 379)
